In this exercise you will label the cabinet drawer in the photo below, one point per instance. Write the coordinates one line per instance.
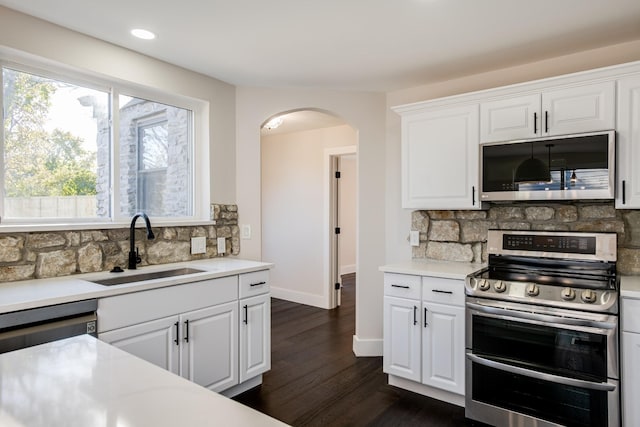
(631, 315)
(255, 283)
(402, 285)
(137, 307)
(446, 291)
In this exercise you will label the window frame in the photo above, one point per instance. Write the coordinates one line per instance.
(199, 148)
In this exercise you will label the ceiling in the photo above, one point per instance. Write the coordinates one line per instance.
(364, 45)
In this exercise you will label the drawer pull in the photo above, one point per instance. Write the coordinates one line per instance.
(400, 286)
(442, 292)
(258, 284)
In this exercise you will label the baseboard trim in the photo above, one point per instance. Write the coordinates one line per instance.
(425, 390)
(241, 388)
(367, 347)
(347, 269)
(299, 297)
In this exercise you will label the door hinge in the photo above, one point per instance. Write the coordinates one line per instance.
(337, 286)
(337, 174)
(337, 230)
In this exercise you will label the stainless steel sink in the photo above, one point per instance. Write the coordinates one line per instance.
(111, 281)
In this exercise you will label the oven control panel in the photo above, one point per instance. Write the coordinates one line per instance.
(546, 243)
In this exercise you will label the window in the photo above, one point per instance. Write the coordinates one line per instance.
(68, 157)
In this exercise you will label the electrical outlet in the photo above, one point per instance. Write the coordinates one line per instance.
(198, 245)
(222, 245)
(245, 231)
(414, 238)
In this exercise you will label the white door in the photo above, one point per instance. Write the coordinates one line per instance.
(630, 382)
(508, 119)
(443, 347)
(628, 144)
(440, 159)
(255, 336)
(401, 351)
(210, 346)
(579, 109)
(156, 341)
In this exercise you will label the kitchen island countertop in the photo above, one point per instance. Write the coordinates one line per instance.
(82, 381)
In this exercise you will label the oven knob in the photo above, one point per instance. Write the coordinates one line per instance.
(588, 296)
(484, 285)
(568, 294)
(532, 290)
(500, 286)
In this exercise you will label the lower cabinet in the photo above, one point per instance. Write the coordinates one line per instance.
(217, 346)
(424, 332)
(630, 356)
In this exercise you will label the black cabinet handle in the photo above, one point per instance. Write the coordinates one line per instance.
(400, 286)
(425, 317)
(441, 292)
(258, 284)
(624, 191)
(473, 195)
(246, 315)
(177, 340)
(546, 122)
(415, 317)
(186, 330)
(535, 123)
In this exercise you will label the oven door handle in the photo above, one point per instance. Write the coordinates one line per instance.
(548, 318)
(541, 375)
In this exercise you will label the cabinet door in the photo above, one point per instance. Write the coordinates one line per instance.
(579, 109)
(631, 382)
(401, 344)
(513, 118)
(443, 347)
(255, 336)
(210, 346)
(628, 144)
(440, 159)
(155, 341)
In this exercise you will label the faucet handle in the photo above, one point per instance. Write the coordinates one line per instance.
(138, 259)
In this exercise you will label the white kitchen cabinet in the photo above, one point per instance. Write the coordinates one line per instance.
(440, 158)
(424, 336)
(628, 144)
(255, 336)
(630, 375)
(565, 110)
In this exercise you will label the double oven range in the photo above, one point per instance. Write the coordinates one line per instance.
(542, 331)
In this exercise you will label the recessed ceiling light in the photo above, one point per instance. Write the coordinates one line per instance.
(143, 34)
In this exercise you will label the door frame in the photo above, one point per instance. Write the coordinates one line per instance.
(329, 262)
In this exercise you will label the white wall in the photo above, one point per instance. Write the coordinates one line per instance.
(22, 34)
(398, 220)
(347, 214)
(365, 112)
(293, 210)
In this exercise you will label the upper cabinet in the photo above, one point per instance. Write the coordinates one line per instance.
(628, 134)
(440, 158)
(575, 109)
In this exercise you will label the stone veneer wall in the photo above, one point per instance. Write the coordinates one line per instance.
(61, 253)
(462, 235)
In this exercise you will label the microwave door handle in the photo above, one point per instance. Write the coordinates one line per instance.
(541, 375)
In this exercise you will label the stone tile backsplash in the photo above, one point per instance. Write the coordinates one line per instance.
(61, 253)
(462, 235)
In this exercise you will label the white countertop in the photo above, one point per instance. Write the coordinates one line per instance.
(443, 269)
(82, 382)
(26, 294)
(630, 286)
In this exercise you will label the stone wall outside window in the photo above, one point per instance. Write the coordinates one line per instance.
(61, 253)
(462, 235)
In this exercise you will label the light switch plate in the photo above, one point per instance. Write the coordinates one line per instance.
(222, 245)
(414, 238)
(198, 245)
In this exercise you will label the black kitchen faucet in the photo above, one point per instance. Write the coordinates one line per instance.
(134, 256)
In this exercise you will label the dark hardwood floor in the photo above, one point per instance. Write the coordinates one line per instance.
(315, 379)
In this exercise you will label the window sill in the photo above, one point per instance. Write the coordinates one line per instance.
(36, 228)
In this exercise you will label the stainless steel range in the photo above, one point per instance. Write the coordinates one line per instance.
(542, 331)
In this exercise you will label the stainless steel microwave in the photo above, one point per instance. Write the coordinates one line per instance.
(568, 167)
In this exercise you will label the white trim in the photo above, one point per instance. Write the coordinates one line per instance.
(329, 153)
(363, 347)
(425, 390)
(299, 297)
(108, 225)
(347, 269)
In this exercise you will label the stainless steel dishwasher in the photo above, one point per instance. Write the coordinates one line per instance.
(26, 328)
